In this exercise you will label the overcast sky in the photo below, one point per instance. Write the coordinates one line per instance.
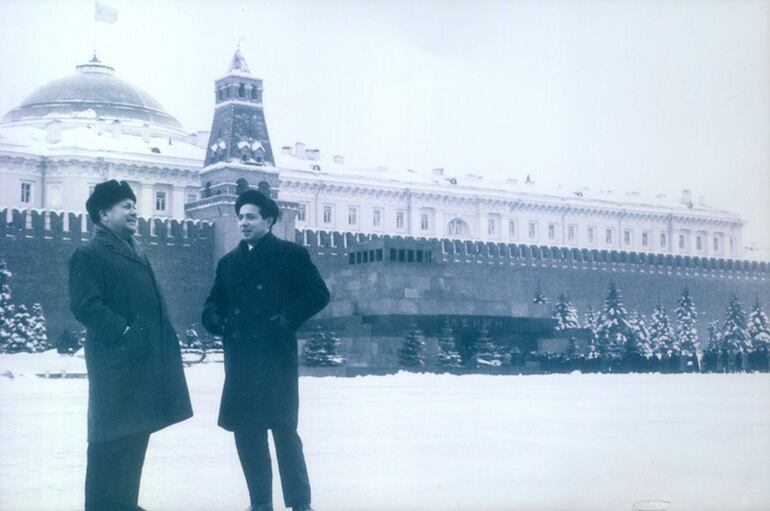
(649, 96)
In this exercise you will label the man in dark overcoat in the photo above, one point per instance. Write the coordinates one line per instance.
(264, 290)
(136, 383)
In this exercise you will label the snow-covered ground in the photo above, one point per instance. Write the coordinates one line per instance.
(425, 442)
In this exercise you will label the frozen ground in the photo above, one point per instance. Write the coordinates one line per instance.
(425, 442)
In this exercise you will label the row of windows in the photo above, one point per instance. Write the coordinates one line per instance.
(458, 227)
(54, 196)
(226, 93)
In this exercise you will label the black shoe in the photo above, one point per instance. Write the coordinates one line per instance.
(302, 507)
(261, 507)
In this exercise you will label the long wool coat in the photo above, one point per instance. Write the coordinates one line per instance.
(276, 279)
(136, 379)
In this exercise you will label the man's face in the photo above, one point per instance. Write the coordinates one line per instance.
(251, 223)
(120, 218)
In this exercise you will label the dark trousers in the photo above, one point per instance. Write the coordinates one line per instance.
(113, 473)
(254, 454)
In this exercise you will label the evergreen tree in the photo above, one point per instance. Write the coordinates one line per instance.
(448, 355)
(322, 349)
(7, 310)
(735, 336)
(613, 330)
(487, 352)
(640, 342)
(412, 351)
(565, 314)
(39, 334)
(539, 297)
(661, 334)
(686, 331)
(22, 335)
(192, 340)
(759, 327)
(714, 336)
(67, 343)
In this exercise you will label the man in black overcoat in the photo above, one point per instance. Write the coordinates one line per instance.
(264, 289)
(136, 383)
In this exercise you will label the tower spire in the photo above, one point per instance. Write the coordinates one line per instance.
(239, 62)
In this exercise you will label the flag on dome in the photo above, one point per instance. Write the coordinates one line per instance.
(105, 13)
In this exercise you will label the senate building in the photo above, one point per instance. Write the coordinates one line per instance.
(79, 130)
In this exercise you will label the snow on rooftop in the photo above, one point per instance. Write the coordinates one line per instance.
(96, 140)
(294, 167)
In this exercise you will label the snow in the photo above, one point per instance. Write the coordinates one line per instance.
(425, 442)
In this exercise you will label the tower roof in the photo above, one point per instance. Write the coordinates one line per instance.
(239, 62)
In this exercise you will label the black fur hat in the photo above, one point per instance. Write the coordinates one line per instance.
(106, 195)
(267, 206)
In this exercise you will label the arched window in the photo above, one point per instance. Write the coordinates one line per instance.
(254, 93)
(242, 91)
(458, 227)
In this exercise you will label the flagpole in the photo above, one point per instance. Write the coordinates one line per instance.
(93, 34)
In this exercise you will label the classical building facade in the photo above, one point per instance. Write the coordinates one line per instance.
(79, 130)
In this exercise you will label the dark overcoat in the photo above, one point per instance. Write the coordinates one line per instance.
(277, 280)
(136, 380)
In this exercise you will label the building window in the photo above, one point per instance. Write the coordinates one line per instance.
(352, 215)
(552, 232)
(377, 218)
(491, 227)
(241, 91)
(732, 246)
(627, 237)
(532, 230)
(645, 239)
(327, 214)
(302, 213)
(399, 219)
(591, 234)
(26, 193)
(681, 242)
(512, 229)
(424, 221)
(192, 197)
(716, 244)
(160, 201)
(572, 232)
(663, 240)
(608, 236)
(698, 243)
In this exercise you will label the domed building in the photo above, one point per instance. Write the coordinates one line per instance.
(77, 131)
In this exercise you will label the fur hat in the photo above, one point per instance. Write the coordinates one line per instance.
(106, 195)
(267, 206)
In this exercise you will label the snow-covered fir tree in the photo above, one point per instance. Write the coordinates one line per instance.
(412, 350)
(613, 330)
(487, 353)
(735, 335)
(759, 327)
(322, 349)
(448, 355)
(539, 297)
(22, 335)
(686, 329)
(192, 340)
(7, 310)
(67, 343)
(565, 314)
(39, 333)
(714, 333)
(640, 342)
(661, 333)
